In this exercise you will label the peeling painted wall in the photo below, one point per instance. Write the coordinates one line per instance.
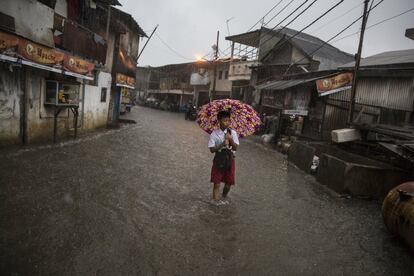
(10, 104)
(33, 20)
(96, 112)
(39, 117)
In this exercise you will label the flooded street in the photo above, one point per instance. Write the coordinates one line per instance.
(136, 201)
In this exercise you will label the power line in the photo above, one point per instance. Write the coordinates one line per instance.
(287, 5)
(338, 17)
(333, 37)
(278, 24)
(278, 46)
(263, 17)
(296, 17)
(376, 24)
(171, 49)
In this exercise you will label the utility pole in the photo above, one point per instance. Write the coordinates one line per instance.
(213, 91)
(145, 45)
(108, 22)
(357, 63)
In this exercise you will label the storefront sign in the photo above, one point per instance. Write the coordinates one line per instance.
(295, 112)
(8, 43)
(40, 54)
(334, 84)
(125, 81)
(42, 57)
(77, 65)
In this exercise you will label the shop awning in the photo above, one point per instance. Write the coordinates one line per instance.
(125, 85)
(284, 84)
(173, 92)
(43, 67)
(18, 50)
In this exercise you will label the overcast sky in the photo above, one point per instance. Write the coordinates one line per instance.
(189, 26)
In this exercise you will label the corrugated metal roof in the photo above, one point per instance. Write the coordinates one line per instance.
(250, 38)
(110, 2)
(284, 84)
(117, 14)
(307, 43)
(392, 93)
(402, 57)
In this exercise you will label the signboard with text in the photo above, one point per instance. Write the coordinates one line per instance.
(123, 80)
(297, 112)
(43, 57)
(334, 84)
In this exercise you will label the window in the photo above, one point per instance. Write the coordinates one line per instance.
(51, 92)
(226, 75)
(103, 94)
(220, 76)
(61, 93)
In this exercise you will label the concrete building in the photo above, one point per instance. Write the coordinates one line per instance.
(206, 86)
(276, 72)
(269, 55)
(169, 84)
(126, 34)
(57, 60)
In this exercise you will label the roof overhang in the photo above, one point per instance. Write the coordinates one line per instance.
(285, 84)
(251, 39)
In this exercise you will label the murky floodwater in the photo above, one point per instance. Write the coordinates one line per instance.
(135, 201)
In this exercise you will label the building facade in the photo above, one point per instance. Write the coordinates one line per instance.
(57, 60)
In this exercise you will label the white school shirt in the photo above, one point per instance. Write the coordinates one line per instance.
(217, 137)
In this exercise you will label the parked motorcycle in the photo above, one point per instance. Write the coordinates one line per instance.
(191, 113)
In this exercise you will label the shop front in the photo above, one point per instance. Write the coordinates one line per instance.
(285, 110)
(125, 85)
(53, 86)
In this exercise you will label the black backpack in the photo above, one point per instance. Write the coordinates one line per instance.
(223, 159)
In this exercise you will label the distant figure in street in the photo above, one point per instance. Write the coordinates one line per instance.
(223, 143)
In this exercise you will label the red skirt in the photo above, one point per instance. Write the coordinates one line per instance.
(228, 177)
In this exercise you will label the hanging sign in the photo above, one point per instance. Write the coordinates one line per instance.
(40, 54)
(42, 57)
(125, 81)
(334, 84)
(78, 65)
(8, 43)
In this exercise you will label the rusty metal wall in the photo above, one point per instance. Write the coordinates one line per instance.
(335, 118)
(391, 93)
(83, 42)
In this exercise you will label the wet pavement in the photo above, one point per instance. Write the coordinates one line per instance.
(136, 201)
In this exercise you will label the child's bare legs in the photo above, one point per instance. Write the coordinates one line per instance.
(216, 191)
(226, 190)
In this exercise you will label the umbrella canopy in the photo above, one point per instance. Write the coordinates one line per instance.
(244, 119)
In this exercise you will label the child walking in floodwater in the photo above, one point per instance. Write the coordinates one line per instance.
(223, 143)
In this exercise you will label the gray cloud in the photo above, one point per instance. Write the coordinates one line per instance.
(190, 26)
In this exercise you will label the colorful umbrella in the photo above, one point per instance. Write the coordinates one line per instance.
(244, 119)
